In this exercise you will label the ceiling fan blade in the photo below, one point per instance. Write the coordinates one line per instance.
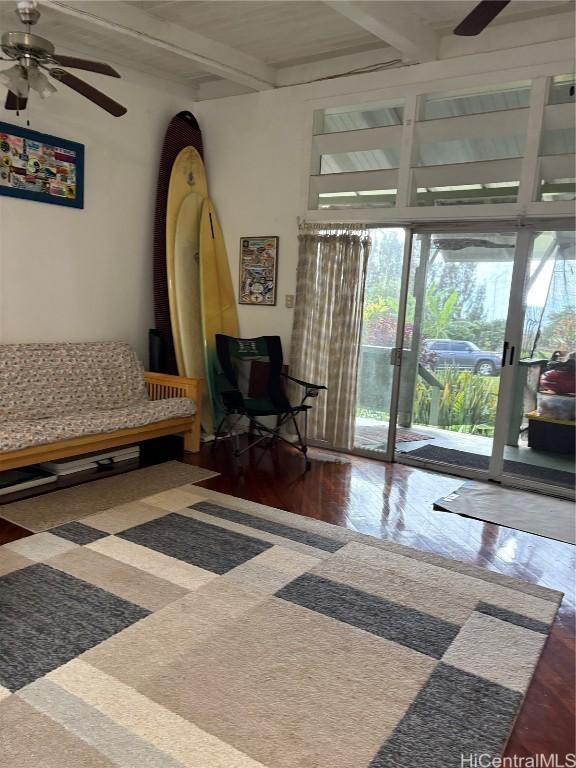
(478, 19)
(89, 92)
(89, 66)
(15, 102)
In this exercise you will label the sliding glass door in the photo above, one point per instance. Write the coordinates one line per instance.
(536, 435)
(485, 314)
(467, 361)
(455, 326)
(384, 307)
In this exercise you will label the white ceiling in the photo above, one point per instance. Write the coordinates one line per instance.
(279, 33)
(225, 46)
(289, 32)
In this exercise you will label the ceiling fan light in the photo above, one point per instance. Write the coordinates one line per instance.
(15, 80)
(40, 83)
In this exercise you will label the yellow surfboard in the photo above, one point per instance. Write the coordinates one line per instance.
(219, 314)
(187, 297)
(188, 177)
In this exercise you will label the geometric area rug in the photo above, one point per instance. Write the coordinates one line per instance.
(193, 629)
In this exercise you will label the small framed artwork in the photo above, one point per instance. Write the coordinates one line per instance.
(36, 166)
(258, 270)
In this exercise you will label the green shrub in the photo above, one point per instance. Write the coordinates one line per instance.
(467, 402)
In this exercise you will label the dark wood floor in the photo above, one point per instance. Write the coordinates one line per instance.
(394, 502)
(11, 532)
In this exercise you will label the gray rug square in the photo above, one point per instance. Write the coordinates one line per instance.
(455, 714)
(78, 533)
(49, 617)
(194, 542)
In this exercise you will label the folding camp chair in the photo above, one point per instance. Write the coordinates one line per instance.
(251, 385)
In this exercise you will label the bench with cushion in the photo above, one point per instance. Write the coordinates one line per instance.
(60, 400)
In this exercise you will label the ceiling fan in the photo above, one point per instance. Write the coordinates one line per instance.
(480, 17)
(35, 56)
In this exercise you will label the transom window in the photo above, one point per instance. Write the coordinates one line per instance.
(464, 148)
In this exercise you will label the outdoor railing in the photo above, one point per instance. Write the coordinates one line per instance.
(375, 383)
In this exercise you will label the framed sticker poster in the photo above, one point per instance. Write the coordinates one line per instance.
(258, 270)
(36, 166)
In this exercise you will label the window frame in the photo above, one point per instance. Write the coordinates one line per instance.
(525, 171)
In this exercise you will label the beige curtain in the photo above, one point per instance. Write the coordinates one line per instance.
(327, 325)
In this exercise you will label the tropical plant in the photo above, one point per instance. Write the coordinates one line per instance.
(381, 331)
(385, 269)
(448, 276)
(375, 308)
(422, 400)
(467, 402)
(439, 313)
(559, 333)
(489, 335)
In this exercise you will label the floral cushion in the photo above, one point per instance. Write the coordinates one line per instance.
(24, 433)
(38, 381)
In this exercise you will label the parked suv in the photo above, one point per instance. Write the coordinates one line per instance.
(463, 355)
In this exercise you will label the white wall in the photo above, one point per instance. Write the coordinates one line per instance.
(254, 152)
(68, 274)
(258, 150)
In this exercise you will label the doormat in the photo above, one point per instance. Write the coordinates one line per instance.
(476, 461)
(379, 434)
(405, 436)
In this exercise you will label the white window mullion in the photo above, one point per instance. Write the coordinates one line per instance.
(315, 161)
(313, 192)
(407, 149)
(315, 154)
(530, 170)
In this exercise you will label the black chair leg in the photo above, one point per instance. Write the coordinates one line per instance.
(308, 462)
(219, 432)
(236, 439)
(301, 445)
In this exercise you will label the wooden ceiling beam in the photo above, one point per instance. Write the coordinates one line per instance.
(395, 23)
(122, 19)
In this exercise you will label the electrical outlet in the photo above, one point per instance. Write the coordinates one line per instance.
(290, 301)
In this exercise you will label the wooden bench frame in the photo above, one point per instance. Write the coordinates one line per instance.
(160, 386)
